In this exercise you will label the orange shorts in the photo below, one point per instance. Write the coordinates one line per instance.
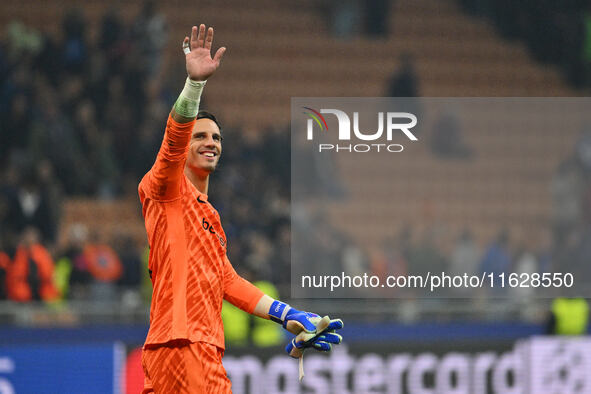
(184, 367)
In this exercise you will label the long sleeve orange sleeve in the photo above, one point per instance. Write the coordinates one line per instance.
(164, 179)
(238, 291)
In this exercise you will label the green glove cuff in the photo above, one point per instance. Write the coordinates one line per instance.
(187, 105)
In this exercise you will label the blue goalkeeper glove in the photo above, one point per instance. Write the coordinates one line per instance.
(310, 329)
(322, 341)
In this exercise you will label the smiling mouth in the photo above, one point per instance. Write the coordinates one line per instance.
(209, 154)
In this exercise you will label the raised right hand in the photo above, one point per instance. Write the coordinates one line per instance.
(200, 64)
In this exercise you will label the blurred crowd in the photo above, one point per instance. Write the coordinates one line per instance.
(86, 118)
(79, 117)
(79, 104)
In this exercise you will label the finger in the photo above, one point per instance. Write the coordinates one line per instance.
(293, 351)
(218, 55)
(209, 38)
(322, 346)
(330, 338)
(301, 344)
(201, 36)
(290, 346)
(194, 37)
(326, 337)
(186, 49)
(323, 324)
(308, 338)
(295, 326)
(335, 324)
(307, 321)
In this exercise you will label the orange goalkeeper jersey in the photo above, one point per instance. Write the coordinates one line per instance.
(190, 272)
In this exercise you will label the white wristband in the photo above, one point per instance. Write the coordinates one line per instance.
(187, 105)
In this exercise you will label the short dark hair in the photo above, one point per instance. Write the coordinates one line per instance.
(203, 114)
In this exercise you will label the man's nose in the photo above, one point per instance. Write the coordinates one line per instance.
(210, 141)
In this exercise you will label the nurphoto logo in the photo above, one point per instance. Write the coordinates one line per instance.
(396, 122)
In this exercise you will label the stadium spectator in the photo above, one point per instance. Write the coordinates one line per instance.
(526, 262)
(97, 148)
(52, 193)
(377, 16)
(23, 41)
(129, 283)
(568, 316)
(497, 259)
(74, 47)
(4, 265)
(390, 259)
(125, 247)
(587, 45)
(72, 253)
(404, 82)
(15, 121)
(158, 101)
(151, 33)
(343, 17)
(579, 265)
(118, 119)
(427, 254)
(30, 276)
(112, 42)
(582, 150)
(447, 139)
(95, 267)
(105, 268)
(8, 207)
(258, 257)
(30, 204)
(567, 192)
(465, 255)
(52, 136)
(355, 262)
(281, 256)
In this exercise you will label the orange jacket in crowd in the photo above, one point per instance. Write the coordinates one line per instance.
(102, 262)
(17, 285)
(4, 261)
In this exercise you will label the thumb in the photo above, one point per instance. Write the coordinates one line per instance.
(218, 55)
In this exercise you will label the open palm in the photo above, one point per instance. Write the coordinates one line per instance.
(200, 64)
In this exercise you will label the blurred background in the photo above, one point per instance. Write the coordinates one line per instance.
(85, 90)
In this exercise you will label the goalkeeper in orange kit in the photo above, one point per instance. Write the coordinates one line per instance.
(190, 272)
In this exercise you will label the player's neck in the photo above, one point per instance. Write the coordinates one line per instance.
(200, 182)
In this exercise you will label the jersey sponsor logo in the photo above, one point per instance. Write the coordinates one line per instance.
(209, 228)
(199, 200)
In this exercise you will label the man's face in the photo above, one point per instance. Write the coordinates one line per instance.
(205, 147)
